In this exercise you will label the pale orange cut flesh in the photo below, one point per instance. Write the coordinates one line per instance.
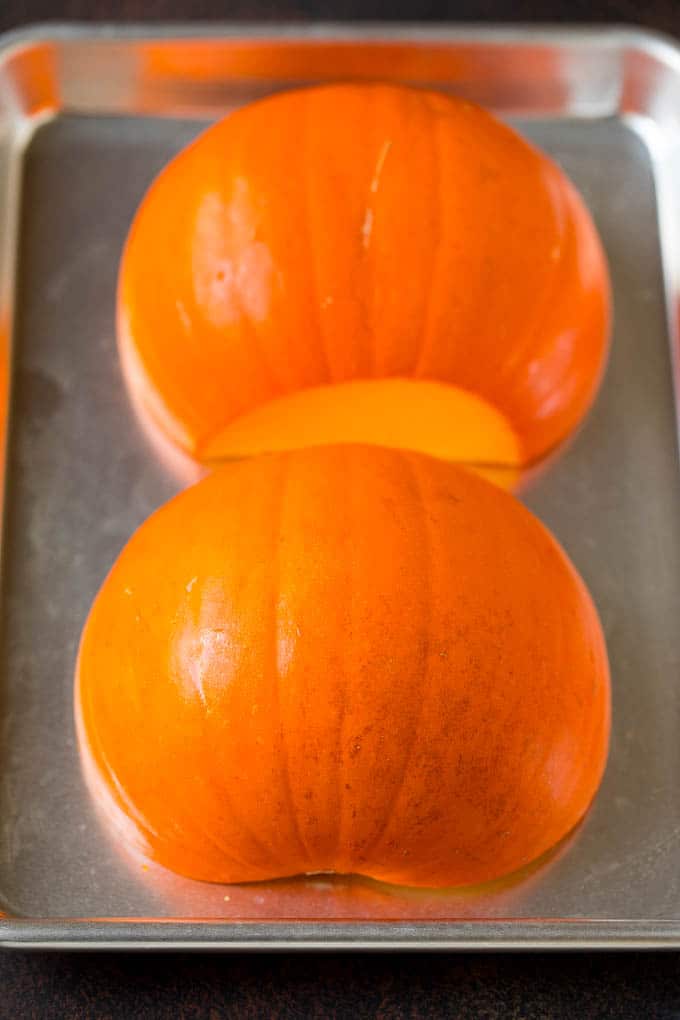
(427, 417)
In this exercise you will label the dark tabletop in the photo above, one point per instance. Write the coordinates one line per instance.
(479, 987)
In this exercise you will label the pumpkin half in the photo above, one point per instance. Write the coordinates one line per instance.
(346, 659)
(364, 234)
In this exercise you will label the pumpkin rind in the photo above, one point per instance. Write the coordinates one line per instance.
(362, 232)
(344, 659)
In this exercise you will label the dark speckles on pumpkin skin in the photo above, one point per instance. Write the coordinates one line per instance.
(356, 743)
(396, 848)
(444, 496)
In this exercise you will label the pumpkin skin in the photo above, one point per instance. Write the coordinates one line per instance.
(358, 232)
(346, 659)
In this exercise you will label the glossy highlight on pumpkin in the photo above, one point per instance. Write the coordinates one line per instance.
(363, 232)
(346, 659)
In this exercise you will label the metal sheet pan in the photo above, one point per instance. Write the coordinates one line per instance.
(87, 117)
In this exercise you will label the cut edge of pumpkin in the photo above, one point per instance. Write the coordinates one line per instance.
(421, 415)
(434, 418)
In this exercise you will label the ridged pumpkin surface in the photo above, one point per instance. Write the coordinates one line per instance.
(363, 232)
(343, 659)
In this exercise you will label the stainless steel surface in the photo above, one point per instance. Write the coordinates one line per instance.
(80, 128)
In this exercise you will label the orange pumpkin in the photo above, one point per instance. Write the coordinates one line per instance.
(364, 234)
(344, 659)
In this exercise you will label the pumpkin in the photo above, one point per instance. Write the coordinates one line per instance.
(343, 659)
(364, 234)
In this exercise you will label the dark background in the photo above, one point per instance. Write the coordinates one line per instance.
(478, 987)
(660, 14)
